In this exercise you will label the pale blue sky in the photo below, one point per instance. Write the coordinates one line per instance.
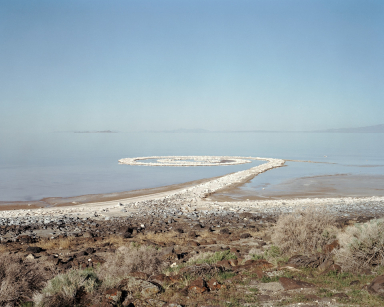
(218, 65)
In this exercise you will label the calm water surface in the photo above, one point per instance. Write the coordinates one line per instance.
(69, 164)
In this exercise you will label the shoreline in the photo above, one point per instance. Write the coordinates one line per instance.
(190, 197)
(322, 186)
(49, 202)
(191, 194)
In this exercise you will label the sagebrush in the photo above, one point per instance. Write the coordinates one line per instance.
(128, 259)
(64, 289)
(361, 246)
(304, 231)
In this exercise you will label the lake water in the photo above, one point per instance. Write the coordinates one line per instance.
(68, 164)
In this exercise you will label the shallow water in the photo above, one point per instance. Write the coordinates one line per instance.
(302, 180)
(69, 164)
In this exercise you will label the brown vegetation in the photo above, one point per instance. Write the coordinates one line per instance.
(20, 279)
(362, 246)
(304, 231)
(198, 265)
(128, 259)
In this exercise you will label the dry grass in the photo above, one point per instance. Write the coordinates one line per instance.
(304, 231)
(3, 248)
(362, 246)
(129, 259)
(210, 257)
(170, 237)
(116, 241)
(19, 280)
(64, 243)
(207, 234)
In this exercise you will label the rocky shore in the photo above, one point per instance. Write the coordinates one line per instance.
(212, 253)
(66, 243)
(192, 205)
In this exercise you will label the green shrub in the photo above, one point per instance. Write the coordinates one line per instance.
(257, 257)
(272, 252)
(211, 258)
(63, 288)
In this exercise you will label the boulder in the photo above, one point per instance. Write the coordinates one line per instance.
(261, 263)
(149, 290)
(198, 286)
(160, 279)
(291, 284)
(305, 261)
(113, 295)
(133, 285)
(34, 249)
(88, 234)
(30, 257)
(224, 263)
(334, 267)
(127, 235)
(26, 239)
(89, 251)
(260, 274)
(225, 231)
(194, 243)
(325, 265)
(213, 284)
(377, 285)
(139, 275)
(270, 286)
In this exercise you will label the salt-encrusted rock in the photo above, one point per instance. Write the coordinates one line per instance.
(30, 257)
(270, 286)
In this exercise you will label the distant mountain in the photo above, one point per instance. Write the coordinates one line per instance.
(368, 129)
(184, 131)
(103, 131)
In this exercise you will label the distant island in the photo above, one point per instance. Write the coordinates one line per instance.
(102, 131)
(368, 129)
(182, 131)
